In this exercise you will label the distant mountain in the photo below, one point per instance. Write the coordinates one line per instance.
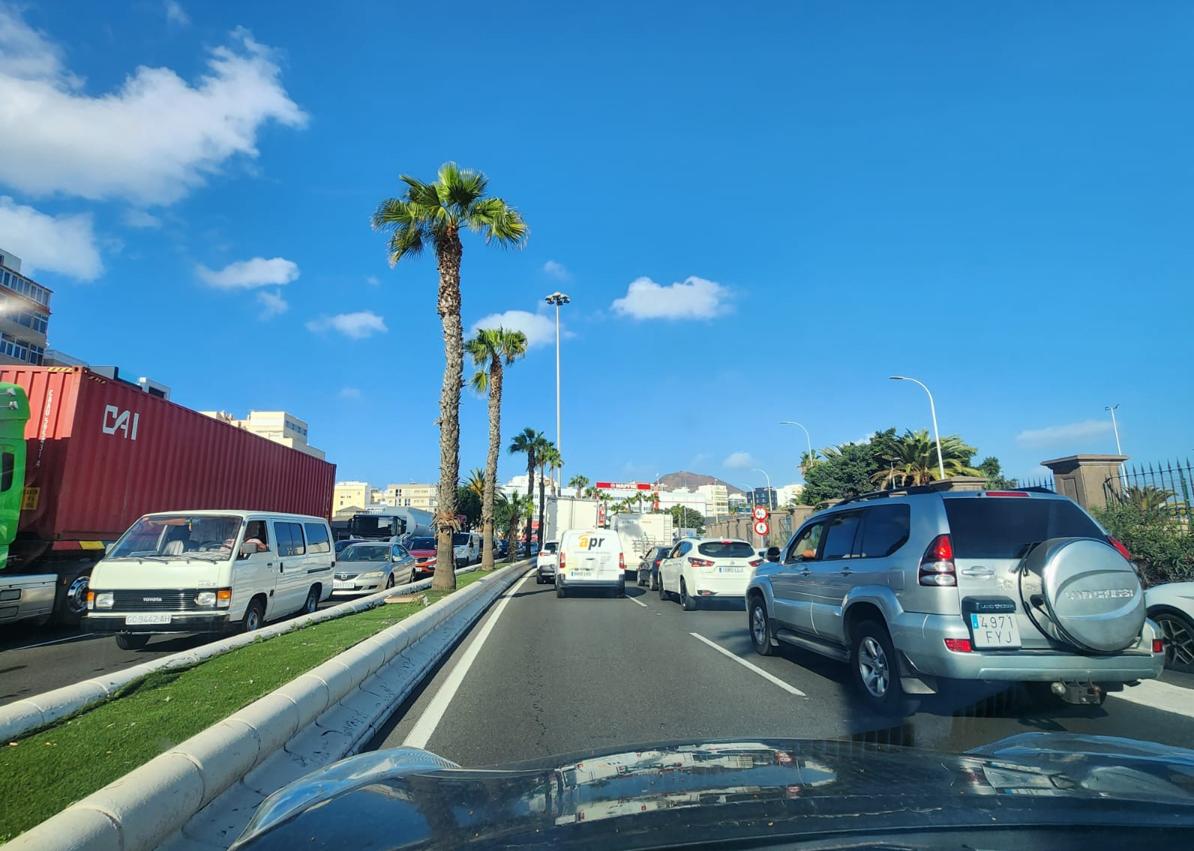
(685, 479)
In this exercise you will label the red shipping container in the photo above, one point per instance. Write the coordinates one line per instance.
(101, 453)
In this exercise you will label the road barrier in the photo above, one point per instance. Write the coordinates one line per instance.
(25, 716)
(205, 789)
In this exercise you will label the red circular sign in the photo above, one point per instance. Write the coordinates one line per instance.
(762, 528)
(760, 512)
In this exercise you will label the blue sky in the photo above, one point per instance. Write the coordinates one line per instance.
(993, 198)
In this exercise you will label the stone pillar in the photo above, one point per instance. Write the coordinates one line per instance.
(1085, 478)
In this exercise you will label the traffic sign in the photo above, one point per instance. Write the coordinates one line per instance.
(762, 528)
(760, 512)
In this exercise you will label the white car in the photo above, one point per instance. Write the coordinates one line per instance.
(700, 568)
(546, 562)
(1171, 607)
(591, 558)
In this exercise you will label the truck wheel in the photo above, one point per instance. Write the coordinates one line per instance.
(254, 616)
(131, 640)
(70, 603)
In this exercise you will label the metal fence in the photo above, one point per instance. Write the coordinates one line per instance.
(1166, 487)
(1045, 482)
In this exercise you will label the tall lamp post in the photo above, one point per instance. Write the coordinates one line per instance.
(768, 478)
(558, 299)
(808, 438)
(933, 414)
(1115, 428)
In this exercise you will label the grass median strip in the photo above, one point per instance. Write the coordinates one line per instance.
(44, 773)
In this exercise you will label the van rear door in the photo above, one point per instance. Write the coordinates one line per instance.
(594, 557)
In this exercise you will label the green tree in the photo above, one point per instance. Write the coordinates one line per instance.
(527, 441)
(495, 348)
(1160, 545)
(991, 470)
(845, 471)
(468, 504)
(911, 458)
(434, 214)
(476, 482)
(581, 483)
(684, 517)
(511, 512)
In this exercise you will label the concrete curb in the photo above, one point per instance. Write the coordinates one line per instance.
(202, 792)
(29, 714)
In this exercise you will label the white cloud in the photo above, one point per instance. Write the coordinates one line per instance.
(372, 280)
(175, 14)
(557, 270)
(357, 326)
(692, 298)
(349, 393)
(151, 140)
(739, 461)
(247, 274)
(141, 219)
(62, 244)
(272, 303)
(1068, 433)
(539, 329)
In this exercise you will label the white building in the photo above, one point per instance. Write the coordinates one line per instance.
(788, 494)
(717, 498)
(350, 495)
(278, 426)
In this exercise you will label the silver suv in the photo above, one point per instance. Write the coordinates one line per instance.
(917, 588)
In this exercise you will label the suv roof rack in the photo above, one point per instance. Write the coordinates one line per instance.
(956, 483)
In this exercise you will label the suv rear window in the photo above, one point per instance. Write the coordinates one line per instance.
(726, 549)
(1001, 527)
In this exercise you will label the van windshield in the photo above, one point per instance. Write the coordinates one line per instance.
(459, 538)
(173, 536)
(1002, 527)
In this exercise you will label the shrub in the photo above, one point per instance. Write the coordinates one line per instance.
(1159, 543)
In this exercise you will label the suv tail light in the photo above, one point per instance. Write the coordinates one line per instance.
(937, 567)
(1119, 547)
(700, 562)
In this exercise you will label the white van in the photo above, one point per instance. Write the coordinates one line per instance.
(591, 558)
(466, 547)
(209, 571)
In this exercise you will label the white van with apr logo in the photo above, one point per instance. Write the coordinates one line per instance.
(591, 558)
(209, 571)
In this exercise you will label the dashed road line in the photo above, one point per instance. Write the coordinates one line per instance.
(791, 689)
(638, 602)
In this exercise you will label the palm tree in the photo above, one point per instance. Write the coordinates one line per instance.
(548, 456)
(434, 214)
(580, 483)
(911, 459)
(528, 441)
(1147, 498)
(476, 482)
(498, 348)
(517, 508)
(808, 460)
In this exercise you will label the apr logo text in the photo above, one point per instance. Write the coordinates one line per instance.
(122, 422)
(589, 542)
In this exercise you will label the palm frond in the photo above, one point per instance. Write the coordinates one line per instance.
(460, 188)
(480, 381)
(498, 221)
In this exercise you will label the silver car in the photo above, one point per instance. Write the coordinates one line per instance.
(365, 567)
(915, 589)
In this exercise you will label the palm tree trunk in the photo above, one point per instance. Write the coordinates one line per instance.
(448, 253)
(491, 462)
(530, 488)
(541, 507)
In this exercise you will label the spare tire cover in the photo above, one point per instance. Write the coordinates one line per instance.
(1092, 596)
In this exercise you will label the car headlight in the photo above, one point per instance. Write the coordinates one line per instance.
(105, 600)
(373, 574)
(205, 598)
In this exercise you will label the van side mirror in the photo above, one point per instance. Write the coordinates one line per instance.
(247, 550)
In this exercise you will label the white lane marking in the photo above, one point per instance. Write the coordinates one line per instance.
(56, 641)
(421, 733)
(637, 602)
(1158, 695)
(770, 678)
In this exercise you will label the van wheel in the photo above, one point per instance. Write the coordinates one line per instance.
(254, 616)
(620, 591)
(131, 640)
(559, 590)
(874, 667)
(311, 604)
(688, 602)
(760, 627)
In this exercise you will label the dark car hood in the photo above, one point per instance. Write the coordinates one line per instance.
(727, 790)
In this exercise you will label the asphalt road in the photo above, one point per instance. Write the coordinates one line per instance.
(588, 673)
(37, 659)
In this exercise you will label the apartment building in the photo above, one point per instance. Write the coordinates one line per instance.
(278, 426)
(412, 495)
(24, 314)
(717, 498)
(347, 495)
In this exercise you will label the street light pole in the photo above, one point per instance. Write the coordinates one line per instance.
(558, 298)
(1115, 427)
(764, 472)
(933, 414)
(808, 438)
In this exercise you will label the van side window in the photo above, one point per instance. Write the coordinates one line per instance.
(884, 530)
(290, 539)
(839, 537)
(317, 538)
(256, 532)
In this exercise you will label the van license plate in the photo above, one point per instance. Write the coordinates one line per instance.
(994, 632)
(146, 620)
